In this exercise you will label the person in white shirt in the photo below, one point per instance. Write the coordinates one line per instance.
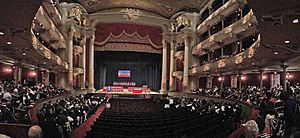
(7, 96)
(269, 123)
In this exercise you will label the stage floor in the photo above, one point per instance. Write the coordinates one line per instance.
(126, 92)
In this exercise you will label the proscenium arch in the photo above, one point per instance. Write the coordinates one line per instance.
(115, 16)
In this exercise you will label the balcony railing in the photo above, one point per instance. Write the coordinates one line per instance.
(53, 12)
(217, 16)
(47, 28)
(230, 62)
(242, 28)
(39, 47)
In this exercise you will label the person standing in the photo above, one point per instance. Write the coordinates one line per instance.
(289, 115)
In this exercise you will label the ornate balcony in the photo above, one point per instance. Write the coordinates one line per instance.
(234, 63)
(54, 59)
(47, 28)
(217, 16)
(49, 7)
(244, 27)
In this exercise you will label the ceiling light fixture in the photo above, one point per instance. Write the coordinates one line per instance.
(296, 21)
(275, 53)
(1, 33)
(24, 53)
(287, 41)
(8, 42)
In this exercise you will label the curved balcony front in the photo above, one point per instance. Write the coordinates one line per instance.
(255, 57)
(53, 12)
(217, 16)
(50, 59)
(49, 32)
(243, 28)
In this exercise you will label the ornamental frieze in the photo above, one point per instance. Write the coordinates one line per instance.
(47, 54)
(58, 61)
(221, 64)
(251, 52)
(238, 59)
(75, 13)
(206, 68)
(127, 47)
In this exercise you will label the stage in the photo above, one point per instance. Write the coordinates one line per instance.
(125, 92)
(148, 94)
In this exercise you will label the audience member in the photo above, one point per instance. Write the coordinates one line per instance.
(16, 100)
(58, 119)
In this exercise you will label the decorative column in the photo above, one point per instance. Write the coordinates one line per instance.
(233, 81)
(240, 81)
(209, 82)
(284, 67)
(46, 75)
(221, 81)
(60, 79)
(172, 67)
(222, 52)
(208, 57)
(194, 81)
(36, 77)
(91, 64)
(83, 62)
(186, 64)
(164, 67)
(18, 74)
(71, 32)
(261, 80)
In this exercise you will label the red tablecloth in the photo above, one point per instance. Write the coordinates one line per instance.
(114, 88)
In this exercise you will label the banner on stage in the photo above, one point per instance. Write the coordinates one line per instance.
(124, 73)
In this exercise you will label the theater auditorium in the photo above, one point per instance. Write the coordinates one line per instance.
(149, 69)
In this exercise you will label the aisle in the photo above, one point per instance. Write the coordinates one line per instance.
(80, 132)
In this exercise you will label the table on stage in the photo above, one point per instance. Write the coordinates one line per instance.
(122, 89)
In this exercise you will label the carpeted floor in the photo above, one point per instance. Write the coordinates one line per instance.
(80, 132)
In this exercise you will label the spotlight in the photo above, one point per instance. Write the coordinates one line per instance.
(243, 78)
(220, 79)
(7, 70)
(24, 53)
(8, 42)
(296, 21)
(32, 74)
(275, 53)
(264, 77)
(1, 33)
(287, 41)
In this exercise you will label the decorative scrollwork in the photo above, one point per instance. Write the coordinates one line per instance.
(183, 20)
(131, 14)
(221, 64)
(206, 68)
(75, 13)
(238, 59)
